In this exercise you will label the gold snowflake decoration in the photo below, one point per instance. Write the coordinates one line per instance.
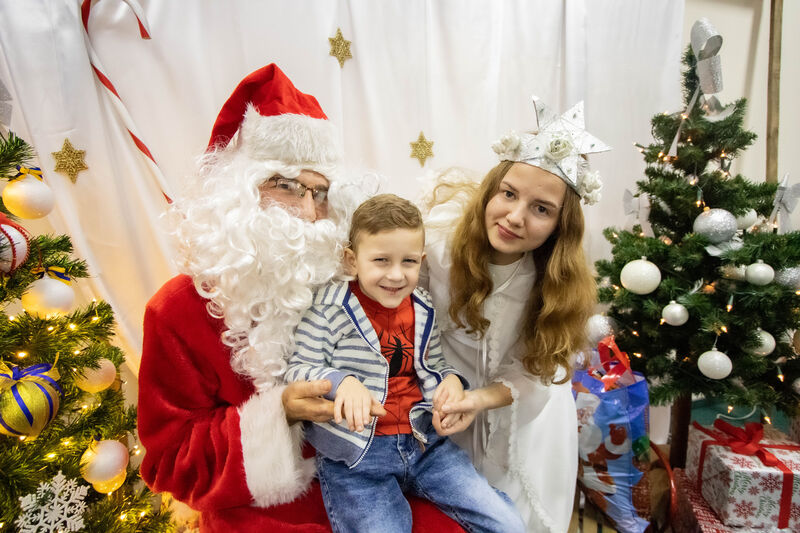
(69, 161)
(340, 47)
(422, 149)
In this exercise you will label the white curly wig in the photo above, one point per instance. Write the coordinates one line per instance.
(258, 267)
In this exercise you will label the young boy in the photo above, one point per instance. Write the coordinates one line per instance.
(376, 340)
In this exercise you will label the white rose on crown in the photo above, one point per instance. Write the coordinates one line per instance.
(507, 147)
(559, 148)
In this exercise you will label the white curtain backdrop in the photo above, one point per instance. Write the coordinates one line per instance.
(461, 71)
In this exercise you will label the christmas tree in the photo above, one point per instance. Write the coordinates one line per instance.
(64, 428)
(703, 292)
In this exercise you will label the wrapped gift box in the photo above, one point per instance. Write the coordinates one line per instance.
(728, 465)
(694, 515)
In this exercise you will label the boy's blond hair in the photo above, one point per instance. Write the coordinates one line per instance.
(384, 212)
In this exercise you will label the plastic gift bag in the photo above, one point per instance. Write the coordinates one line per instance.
(613, 403)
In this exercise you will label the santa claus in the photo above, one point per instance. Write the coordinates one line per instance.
(260, 225)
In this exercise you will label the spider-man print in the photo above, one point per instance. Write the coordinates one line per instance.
(397, 349)
(395, 331)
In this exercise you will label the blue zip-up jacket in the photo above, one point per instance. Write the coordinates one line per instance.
(335, 339)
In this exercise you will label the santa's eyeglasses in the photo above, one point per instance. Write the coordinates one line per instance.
(292, 187)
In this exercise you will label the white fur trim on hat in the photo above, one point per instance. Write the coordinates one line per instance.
(289, 138)
(274, 467)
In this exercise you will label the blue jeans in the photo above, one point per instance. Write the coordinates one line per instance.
(369, 498)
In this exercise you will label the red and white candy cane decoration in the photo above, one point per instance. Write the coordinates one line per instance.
(94, 60)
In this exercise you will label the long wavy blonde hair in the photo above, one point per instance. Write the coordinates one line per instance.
(561, 300)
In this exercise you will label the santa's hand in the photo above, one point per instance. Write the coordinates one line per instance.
(302, 400)
(354, 403)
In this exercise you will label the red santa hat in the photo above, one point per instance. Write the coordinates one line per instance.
(276, 121)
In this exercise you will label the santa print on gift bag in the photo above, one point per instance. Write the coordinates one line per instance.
(612, 404)
(746, 479)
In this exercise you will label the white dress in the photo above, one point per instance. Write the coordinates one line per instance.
(528, 449)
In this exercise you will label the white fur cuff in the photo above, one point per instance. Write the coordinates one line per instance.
(272, 450)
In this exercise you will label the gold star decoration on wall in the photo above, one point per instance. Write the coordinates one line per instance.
(69, 161)
(340, 47)
(422, 149)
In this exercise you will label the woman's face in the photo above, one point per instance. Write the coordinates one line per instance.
(524, 212)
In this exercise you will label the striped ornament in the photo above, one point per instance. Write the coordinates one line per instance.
(29, 398)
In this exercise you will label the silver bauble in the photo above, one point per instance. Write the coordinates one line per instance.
(97, 379)
(789, 277)
(759, 273)
(748, 219)
(715, 364)
(103, 460)
(731, 271)
(28, 197)
(675, 314)
(717, 225)
(48, 297)
(640, 276)
(766, 342)
(598, 327)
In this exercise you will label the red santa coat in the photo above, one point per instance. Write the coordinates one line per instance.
(216, 444)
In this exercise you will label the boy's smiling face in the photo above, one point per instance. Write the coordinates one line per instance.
(387, 263)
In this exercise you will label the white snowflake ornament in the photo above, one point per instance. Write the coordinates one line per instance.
(55, 506)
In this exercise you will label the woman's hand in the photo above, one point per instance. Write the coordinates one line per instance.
(457, 415)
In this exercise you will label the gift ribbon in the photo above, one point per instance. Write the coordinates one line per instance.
(606, 348)
(23, 172)
(39, 375)
(706, 42)
(633, 206)
(747, 441)
(55, 272)
(785, 199)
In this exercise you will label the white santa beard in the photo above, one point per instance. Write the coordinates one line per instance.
(262, 303)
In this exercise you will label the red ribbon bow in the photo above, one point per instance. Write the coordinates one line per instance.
(609, 353)
(747, 441)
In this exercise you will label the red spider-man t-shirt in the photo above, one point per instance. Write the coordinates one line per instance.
(395, 329)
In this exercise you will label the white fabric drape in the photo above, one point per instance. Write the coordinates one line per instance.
(461, 71)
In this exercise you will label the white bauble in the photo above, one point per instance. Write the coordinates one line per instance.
(28, 197)
(48, 297)
(14, 246)
(97, 379)
(796, 386)
(675, 314)
(746, 220)
(717, 225)
(731, 271)
(107, 487)
(103, 461)
(598, 327)
(759, 273)
(714, 364)
(766, 342)
(640, 276)
(789, 277)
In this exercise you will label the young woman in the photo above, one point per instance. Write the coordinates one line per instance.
(513, 291)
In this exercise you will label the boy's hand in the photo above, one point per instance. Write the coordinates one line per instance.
(449, 390)
(353, 403)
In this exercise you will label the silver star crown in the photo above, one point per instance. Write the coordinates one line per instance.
(557, 146)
